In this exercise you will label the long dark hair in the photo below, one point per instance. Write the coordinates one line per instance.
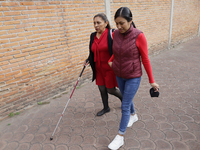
(103, 16)
(125, 13)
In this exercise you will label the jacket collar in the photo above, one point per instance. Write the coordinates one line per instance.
(129, 30)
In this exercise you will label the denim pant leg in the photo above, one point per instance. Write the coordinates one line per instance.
(128, 88)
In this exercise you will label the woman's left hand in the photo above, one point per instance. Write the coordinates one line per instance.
(155, 86)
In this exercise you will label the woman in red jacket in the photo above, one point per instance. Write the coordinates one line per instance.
(100, 52)
(129, 45)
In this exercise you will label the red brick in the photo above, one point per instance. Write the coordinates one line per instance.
(8, 86)
(12, 100)
(10, 4)
(36, 70)
(13, 81)
(40, 32)
(28, 94)
(20, 47)
(20, 17)
(10, 93)
(18, 8)
(32, 56)
(2, 76)
(87, 1)
(43, 19)
(49, 7)
(15, 31)
(66, 2)
(2, 63)
(41, 39)
(12, 73)
(12, 13)
(12, 53)
(22, 26)
(26, 42)
(24, 81)
(21, 74)
(36, 52)
(33, 36)
(10, 44)
(5, 50)
(29, 12)
(4, 100)
(43, 11)
(28, 21)
(6, 79)
(25, 34)
(26, 3)
(2, 33)
(47, 42)
(12, 22)
(10, 66)
(2, 103)
(42, 47)
(16, 60)
(25, 62)
(7, 27)
(21, 55)
(78, 2)
(49, 49)
(35, 7)
(35, 44)
(28, 49)
(41, 3)
(56, 10)
(19, 67)
(17, 39)
(38, 24)
(27, 69)
(37, 16)
(6, 58)
(31, 29)
(4, 41)
(5, 71)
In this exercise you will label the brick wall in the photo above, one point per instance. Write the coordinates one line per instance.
(43, 46)
(185, 21)
(44, 43)
(153, 18)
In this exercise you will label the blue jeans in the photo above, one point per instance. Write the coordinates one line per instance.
(128, 88)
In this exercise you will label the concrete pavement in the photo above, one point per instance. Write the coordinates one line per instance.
(170, 122)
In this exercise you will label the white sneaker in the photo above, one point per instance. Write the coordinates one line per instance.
(116, 143)
(133, 118)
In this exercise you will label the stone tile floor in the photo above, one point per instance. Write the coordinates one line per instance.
(170, 122)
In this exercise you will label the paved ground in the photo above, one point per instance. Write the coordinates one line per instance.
(170, 122)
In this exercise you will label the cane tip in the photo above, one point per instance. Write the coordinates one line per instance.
(51, 138)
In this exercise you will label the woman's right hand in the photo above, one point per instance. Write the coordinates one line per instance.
(110, 64)
(86, 62)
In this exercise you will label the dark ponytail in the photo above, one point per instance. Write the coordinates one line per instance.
(133, 24)
(103, 16)
(125, 13)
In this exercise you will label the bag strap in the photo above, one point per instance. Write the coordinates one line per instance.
(111, 31)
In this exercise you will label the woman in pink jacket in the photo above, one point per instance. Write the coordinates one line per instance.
(129, 47)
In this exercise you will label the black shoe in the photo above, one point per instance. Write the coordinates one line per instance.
(103, 111)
